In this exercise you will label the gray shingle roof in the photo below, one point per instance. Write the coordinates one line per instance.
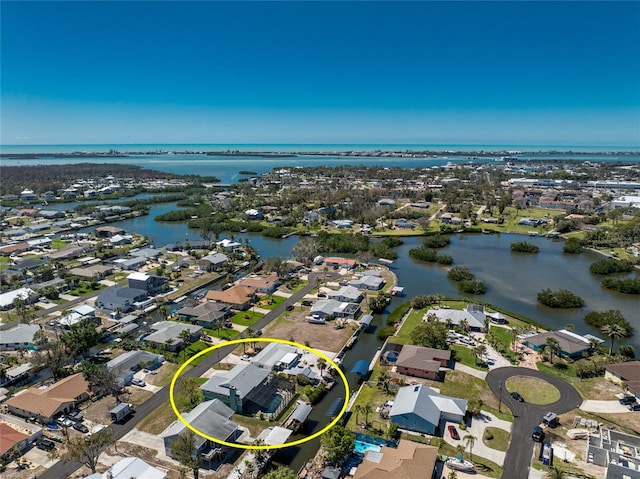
(244, 377)
(209, 417)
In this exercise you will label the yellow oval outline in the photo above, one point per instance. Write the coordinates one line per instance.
(256, 340)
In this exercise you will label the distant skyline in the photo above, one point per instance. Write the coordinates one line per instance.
(504, 73)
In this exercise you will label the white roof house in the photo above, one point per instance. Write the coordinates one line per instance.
(17, 337)
(130, 467)
(475, 319)
(6, 299)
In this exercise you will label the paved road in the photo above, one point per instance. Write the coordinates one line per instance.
(527, 416)
(61, 469)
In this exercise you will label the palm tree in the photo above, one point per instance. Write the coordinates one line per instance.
(460, 450)
(614, 331)
(358, 409)
(479, 351)
(452, 475)
(556, 473)
(185, 336)
(470, 440)
(367, 411)
(553, 347)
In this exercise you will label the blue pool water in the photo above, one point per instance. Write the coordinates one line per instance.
(362, 447)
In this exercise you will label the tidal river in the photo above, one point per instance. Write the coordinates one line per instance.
(513, 279)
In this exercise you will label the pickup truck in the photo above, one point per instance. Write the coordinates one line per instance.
(121, 412)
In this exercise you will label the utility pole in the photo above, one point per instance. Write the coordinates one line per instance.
(500, 398)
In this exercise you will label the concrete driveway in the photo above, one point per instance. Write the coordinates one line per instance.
(613, 407)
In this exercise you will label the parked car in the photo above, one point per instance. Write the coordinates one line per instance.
(259, 332)
(289, 307)
(45, 444)
(538, 434)
(306, 302)
(515, 395)
(63, 421)
(453, 432)
(321, 295)
(634, 407)
(138, 382)
(627, 400)
(81, 428)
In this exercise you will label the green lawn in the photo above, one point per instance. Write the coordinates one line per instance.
(246, 318)
(500, 440)
(84, 288)
(223, 333)
(413, 320)
(504, 337)
(57, 243)
(533, 390)
(465, 356)
(274, 300)
(192, 350)
(568, 374)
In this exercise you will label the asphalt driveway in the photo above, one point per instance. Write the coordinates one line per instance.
(527, 416)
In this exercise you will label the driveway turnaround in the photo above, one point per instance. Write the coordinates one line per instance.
(527, 416)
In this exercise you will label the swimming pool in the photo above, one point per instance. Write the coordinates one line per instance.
(362, 447)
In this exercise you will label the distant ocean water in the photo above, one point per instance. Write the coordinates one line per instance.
(291, 147)
(174, 159)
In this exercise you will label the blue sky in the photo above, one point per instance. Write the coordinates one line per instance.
(545, 73)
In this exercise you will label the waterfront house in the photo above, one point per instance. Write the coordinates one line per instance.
(46, 403)
(213, 262)
(266, 284)
(276, 356)
(14, 336)
(168, 335)
(408, 460)
(212, 418)
(368, 282)
(95, 271)
(147, 253)
(472, 317)
(238, 297)
(130, 264)
(108, 231)
(422, 362)
(628, 372)
(248, 389)
(348, 294)
(572, 345)
(422, 409)
(151, 283)
(126, 365)
(345, 263)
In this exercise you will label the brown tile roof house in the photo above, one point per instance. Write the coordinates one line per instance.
(45, 403)
(628, 372)
(421, 362)
(238, 296)
(262, 284)
(10, 438)
(408, 461)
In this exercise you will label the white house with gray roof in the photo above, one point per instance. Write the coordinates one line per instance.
(25, 294)
(167, 334)
(213, 262)
(348, 294)
(18, 336)
(127, 364)
(369, 282)
(473, 316)
(212, 418)
(234, 387)
(422, 409)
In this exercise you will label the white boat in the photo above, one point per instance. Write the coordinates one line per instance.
(315, 320)
(460, 464)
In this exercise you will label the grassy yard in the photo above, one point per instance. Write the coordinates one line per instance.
(413, 320)
(85, 288)
(192, 350)
(500, 439)
(568, 374)
(270, 302)
(461, 385)
(533, 390)
(223, 333)
(246, 318)
(158, 420)
(465, 356)
(503, 338)
(597, 388)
